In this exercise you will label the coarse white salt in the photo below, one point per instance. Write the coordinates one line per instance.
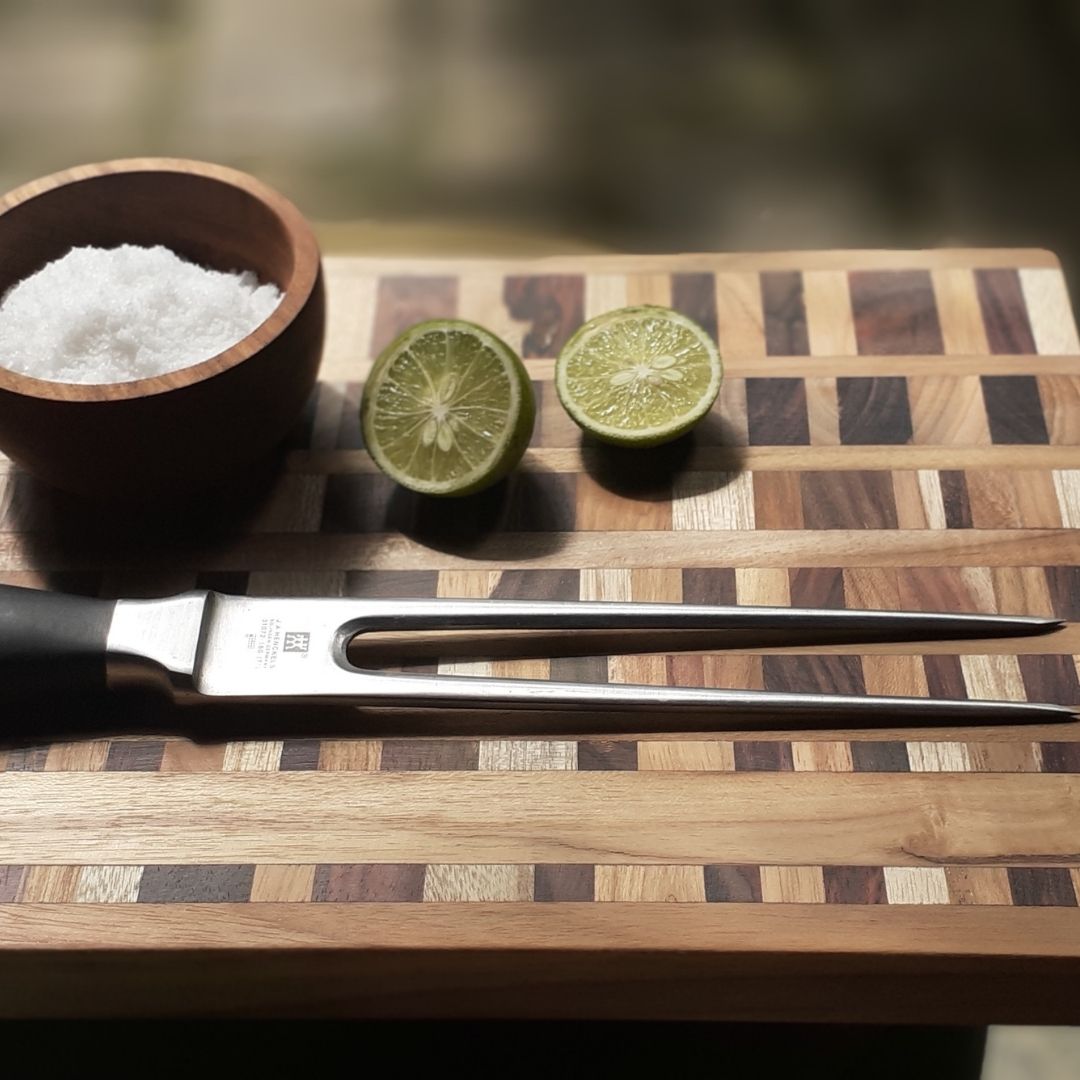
(109, 315)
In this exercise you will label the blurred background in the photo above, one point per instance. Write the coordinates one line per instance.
(533, 126)
(538, 125)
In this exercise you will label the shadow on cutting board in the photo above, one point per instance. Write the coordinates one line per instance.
(649, 474)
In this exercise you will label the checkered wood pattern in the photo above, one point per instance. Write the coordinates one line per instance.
(894, 431)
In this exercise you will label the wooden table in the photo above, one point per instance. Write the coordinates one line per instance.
(896, 430)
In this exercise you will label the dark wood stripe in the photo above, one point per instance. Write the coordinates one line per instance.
(538, 585)
(733, 884)
(817, 586)
(134, 755)
(1050, 677)
(854, 885)
(403, 301)
(1041, 886)
(430, 755)
(10, 881)
(880, 757)
(763, 756)
(785, 313)
(694, 295)
(777, 500)
(300, 755)
(27, 759)
(552, 304)
(349, 436)
(230, 582)
(1063, 583)
(568, 883)
(369, 882)
(1061, 757)
(586, 669)
(955, 498)
(795, 673)
(1014, 409)
(711, 585)
(163, 884)
(356, 503)
(1004, 311)
(776, 412)
(944, 676)
(607, 755)
(848, 500)
(540, 501)
(895, 312)
(874, 411)
(392, 584)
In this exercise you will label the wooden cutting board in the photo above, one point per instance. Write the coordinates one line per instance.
(896, 430)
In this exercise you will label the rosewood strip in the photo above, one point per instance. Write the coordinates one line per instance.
(874, 411)
(776, 412)
(785, 313)
(895, 312)
(552, 304)
(1004, 311)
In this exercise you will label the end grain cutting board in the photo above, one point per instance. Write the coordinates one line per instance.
(896, 430)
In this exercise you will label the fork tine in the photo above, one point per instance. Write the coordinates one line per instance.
(765, 707)
(586, 615)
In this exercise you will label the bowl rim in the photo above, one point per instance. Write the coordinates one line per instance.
(295, 293)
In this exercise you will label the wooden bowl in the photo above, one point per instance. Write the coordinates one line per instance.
(189, 428)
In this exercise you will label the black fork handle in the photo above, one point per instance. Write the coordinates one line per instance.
(52, 644)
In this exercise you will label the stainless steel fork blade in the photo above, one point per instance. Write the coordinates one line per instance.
(205, 645)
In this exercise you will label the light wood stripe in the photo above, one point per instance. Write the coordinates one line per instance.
(350, 307)
(830, 325)
(604, 292)
(350, 755)
(252, 756)
(740, 319)
(916, 885)
(962, 328)
(279, 884)
(86, 756)
(978, 885)
(938, 757)
(825, 458)
(456, 883)
(713, 755)
(605, 585)
(993, 677)
(792, 885)
(1049, 311)
(650, 884)
(762, 587)
(828, 755)
(50, 884)
(704, 500)
(505, 755)
(480, 299)
(1067, 487)
(872, 819)
(108, 885)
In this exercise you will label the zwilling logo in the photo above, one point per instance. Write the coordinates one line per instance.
(296, 642)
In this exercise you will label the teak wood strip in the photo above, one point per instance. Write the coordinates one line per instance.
(491, 817)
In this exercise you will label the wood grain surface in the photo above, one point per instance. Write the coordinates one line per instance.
(897, 430)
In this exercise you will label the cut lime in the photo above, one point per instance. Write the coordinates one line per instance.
(638, 376)
(448, 408)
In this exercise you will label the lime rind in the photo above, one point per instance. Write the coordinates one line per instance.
(622, 368)
(448, 408)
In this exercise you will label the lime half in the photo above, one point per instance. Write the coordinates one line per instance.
(448, 408)
(638, 376)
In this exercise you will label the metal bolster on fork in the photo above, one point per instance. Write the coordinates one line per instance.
(440, 691)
